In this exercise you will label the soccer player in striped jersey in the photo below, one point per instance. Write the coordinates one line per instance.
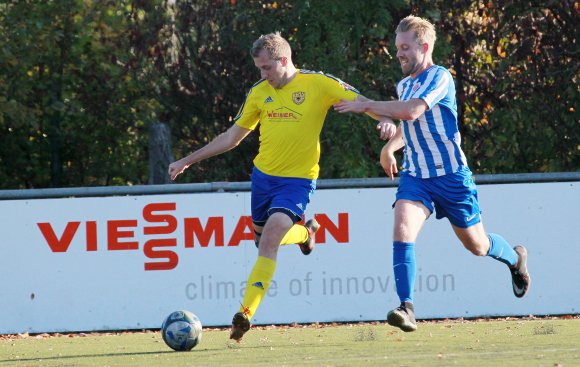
(435, 174)
(290, 105)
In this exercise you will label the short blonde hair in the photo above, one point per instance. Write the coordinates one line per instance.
(274, 43)
(424, 30)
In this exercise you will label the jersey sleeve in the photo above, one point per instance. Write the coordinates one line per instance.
(437, 89)
(249, 114)
(338, 90)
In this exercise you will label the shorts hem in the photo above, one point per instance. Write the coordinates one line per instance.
(428, 205)
(295, 217)
(463, 225)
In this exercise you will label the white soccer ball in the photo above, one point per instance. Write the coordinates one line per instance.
(181, 330)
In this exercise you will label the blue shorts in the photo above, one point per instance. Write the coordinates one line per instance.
(453, 196)
(272, 194)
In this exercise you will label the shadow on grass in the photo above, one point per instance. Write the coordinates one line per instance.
(227, 346)
(83, 356)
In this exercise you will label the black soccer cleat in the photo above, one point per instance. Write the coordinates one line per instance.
(403, 317)
(520, 276)
(307, 246)
(240, 325)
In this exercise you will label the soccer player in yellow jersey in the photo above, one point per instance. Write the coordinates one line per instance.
(290, 105)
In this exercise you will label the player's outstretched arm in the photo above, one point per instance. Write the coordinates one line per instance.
(361, 98)
(386, 126)
(402, 110)
(222, 143)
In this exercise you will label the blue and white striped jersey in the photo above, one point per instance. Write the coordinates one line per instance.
(432, 142)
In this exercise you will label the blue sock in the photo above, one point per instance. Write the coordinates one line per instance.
(501, 250)
(404, 268)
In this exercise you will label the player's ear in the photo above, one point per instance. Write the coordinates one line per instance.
(425, 47)
(284, 61)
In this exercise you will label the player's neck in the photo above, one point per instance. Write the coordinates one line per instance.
(424, 67)
(288, 76)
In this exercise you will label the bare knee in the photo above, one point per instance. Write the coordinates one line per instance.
(474, 239)
(478, 248)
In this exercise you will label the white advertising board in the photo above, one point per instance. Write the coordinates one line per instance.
(81, 264)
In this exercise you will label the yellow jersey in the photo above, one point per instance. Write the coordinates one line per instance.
(291, 120)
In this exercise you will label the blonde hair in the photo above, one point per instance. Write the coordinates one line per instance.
(424, 30)
(274, 43)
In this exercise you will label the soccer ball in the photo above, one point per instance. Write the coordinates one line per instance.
(181, 330)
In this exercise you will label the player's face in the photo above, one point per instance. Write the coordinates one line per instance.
(411, 55)
(274, 71)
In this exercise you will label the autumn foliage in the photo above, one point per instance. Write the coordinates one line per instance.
(81, 81)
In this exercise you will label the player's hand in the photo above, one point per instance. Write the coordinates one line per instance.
(349, 106)
(386, 128)
(389, 162)
(176, 168)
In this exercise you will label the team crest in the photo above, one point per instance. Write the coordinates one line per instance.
(298, 97)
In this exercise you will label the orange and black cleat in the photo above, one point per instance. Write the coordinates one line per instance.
(240, 325)
(307, 246)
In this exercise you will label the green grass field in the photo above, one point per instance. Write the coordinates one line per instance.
(500, 342)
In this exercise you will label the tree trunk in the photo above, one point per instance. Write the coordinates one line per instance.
(159, 153)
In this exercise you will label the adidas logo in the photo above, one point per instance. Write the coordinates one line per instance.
(268, 100)
(258, 285)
